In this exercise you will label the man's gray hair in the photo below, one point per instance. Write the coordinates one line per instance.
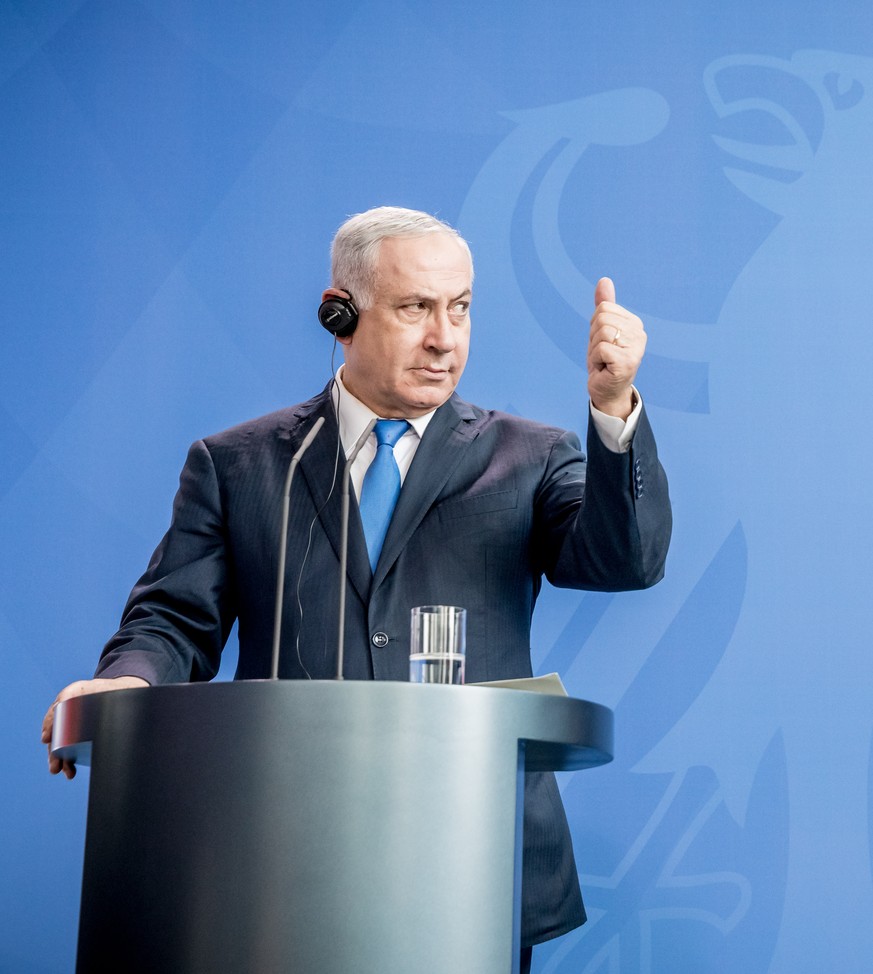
(355, 248)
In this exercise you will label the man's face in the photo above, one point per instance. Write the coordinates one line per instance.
(409, 349)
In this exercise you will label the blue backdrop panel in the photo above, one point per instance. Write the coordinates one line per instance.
(173, 173)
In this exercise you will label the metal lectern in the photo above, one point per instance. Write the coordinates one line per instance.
(313, 827)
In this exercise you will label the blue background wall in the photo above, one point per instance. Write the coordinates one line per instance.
(171, 175)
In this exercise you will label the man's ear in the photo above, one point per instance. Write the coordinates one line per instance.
(338, 314)
(335, 292)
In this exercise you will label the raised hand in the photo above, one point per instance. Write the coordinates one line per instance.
(616, 343)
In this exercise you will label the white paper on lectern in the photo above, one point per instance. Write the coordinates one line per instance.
(550, 683)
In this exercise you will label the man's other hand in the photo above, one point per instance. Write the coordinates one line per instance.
(77, 689)
(616, 343)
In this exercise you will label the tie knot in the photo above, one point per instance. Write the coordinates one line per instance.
(389, 431)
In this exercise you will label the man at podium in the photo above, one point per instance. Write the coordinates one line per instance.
(483, 506)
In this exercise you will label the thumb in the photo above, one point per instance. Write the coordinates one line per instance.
(604, 291)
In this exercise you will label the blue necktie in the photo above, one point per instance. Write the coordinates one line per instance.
(381, 486)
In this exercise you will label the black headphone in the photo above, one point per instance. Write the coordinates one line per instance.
(339, 316)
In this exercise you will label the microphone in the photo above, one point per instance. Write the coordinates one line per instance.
(344, 548)
(283, 542)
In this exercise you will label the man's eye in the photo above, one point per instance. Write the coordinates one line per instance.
(461, 308)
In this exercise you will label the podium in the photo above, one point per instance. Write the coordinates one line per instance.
(316, 827)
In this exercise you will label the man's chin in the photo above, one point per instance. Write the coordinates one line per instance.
(423, 400)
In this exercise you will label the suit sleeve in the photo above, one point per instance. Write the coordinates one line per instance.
(179, 614)
(604, 524)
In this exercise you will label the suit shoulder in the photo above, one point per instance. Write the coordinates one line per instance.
(275, 425)
(503, 424)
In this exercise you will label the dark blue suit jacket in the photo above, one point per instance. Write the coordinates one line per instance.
(491, 504)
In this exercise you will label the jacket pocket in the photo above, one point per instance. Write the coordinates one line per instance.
(501, 500)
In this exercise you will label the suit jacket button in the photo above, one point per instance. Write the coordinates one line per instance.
(380, 639)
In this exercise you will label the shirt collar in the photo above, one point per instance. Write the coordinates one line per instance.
(353, 416)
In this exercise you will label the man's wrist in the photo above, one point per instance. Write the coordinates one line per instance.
(620, 408)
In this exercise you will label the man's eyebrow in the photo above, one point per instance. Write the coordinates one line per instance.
(414, 296)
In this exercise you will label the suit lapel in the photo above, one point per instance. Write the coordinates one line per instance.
(442, 448)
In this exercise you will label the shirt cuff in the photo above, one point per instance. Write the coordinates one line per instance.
(617, 434)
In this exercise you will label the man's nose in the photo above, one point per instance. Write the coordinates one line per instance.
(441, 331)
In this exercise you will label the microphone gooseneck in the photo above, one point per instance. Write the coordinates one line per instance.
(344, 547)
(283, 543)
